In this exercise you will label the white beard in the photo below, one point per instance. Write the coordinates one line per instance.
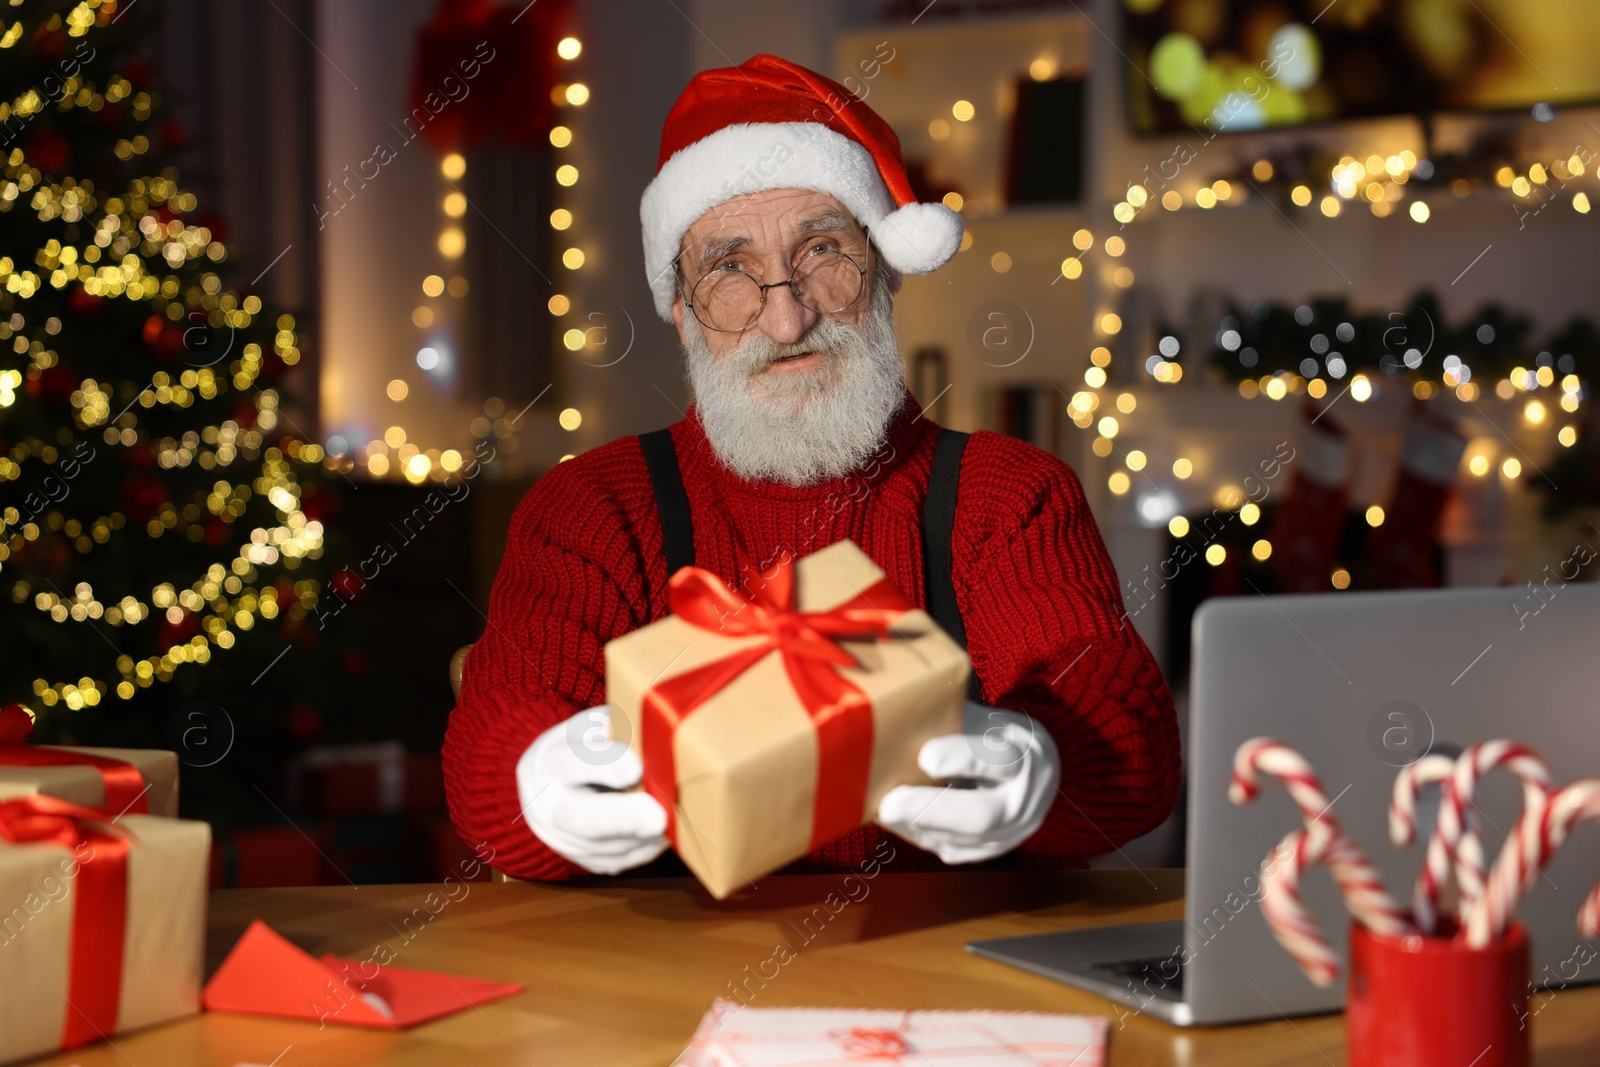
(797, 428)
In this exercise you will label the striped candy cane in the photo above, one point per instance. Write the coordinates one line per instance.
(1364, 893)
(1294, 927)
(1286, 914)
(1538, 834)
(1283, 762)
(1439, 863)
(1586, 801)
(1473, 764)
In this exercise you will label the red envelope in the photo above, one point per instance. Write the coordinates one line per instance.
(267, 975)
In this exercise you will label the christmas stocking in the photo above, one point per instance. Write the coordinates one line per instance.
(1305, 535)
(1402, 548)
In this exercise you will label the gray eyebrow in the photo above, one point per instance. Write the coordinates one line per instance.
(826, 222)
(719, 248)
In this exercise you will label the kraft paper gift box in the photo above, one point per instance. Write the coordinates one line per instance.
(65, 920)
(764, 737)
(139, 781)
(85, 783)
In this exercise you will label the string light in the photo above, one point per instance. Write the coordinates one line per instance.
(394, 454)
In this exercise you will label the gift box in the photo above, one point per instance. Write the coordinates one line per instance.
(135, 780)
(450, 856)
(771, 718)
(271, 856)
(369, 849)
(364, 780)
(104, 927)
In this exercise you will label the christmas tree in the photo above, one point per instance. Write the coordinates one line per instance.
(160, 532)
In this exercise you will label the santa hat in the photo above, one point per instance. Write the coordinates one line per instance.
(769, 124)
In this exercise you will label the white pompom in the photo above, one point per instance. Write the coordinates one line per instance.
(918, 238)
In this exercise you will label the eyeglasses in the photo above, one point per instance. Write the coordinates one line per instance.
(729, 300)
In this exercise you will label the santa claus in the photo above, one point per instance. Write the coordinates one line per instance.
(776, 232)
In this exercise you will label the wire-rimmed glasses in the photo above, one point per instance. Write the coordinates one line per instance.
(730, 301)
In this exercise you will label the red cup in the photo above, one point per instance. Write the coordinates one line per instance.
(1417, 1001)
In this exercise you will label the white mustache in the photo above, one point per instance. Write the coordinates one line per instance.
(759, 352)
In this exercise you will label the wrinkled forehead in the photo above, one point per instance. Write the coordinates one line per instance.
(773, 217)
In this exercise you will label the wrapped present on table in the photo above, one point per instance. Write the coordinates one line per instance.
(359, 849)
(271, 856)
(138, 781)
(105, 923)
(365, 779)
(371, 849)
(761, 758)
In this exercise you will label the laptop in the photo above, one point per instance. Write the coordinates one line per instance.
(1362, 684)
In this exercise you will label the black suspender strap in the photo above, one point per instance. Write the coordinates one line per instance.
(671, 501)
(938, 524)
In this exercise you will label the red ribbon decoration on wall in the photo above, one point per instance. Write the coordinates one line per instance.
(839, 710)
(125, 788)
(99, 907)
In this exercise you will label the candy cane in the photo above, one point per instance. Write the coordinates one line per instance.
(1534, 840)
(1285, 913)
(1363, 890)
(1438, 865)
(1473, 764)
(1293, 926)
(1589, 914)
(1283, 762)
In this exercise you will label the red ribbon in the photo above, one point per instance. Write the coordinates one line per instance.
(99, 908)
(125, 788)
(840, 711)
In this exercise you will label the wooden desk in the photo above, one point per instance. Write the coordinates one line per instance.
(619, 972)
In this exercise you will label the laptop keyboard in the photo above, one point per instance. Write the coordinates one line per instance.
(1152, 972)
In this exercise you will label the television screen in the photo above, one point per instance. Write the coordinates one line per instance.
(1231, 65)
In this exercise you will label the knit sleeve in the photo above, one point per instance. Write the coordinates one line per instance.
(1042, 609)
(569, 582)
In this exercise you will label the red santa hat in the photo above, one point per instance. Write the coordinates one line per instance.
(769, 124)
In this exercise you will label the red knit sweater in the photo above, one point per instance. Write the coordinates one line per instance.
(584, 564)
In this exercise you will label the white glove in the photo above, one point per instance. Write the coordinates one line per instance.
(1002, 771)
(570, 783)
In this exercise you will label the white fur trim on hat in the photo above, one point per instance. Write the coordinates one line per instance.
(752, 156)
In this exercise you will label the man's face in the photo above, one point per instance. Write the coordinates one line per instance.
(766, 235)
(799, 395)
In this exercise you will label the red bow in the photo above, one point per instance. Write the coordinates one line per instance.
(839, 710)
(99, 907)
(862, 1043)
(125, 788)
